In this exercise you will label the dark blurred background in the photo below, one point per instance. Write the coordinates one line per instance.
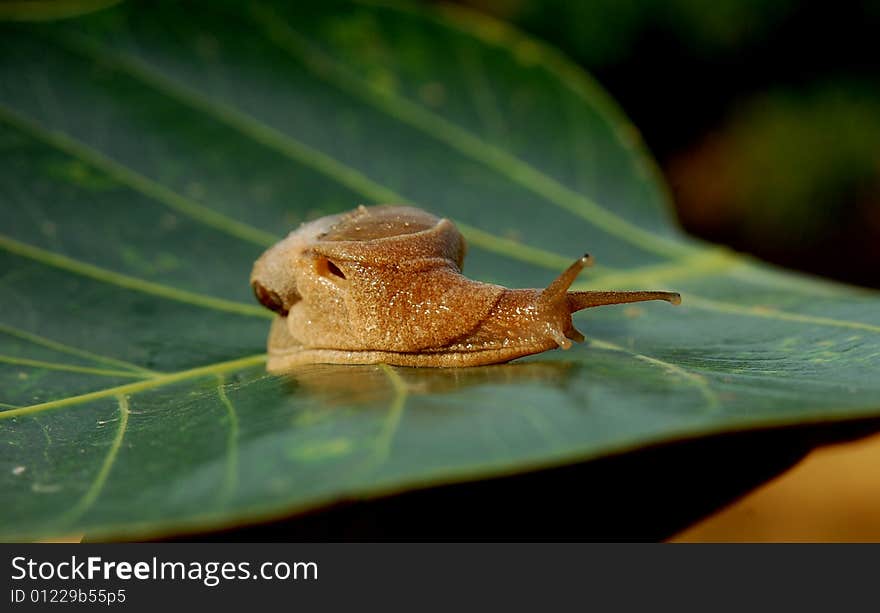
(764, 115)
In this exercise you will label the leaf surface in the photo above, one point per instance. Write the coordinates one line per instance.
(152, 152)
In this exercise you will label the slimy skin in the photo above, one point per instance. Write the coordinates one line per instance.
(384, 285)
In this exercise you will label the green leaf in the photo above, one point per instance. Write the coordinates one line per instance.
(151, 152)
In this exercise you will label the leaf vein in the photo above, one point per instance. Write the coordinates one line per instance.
(62, 348)
(156, 191)
(772, 313)
(64, 262)
(709, 395)
(230, 480)
(140, 386)
(395, 413)
(94, 491)
(463, 141)
(296, 150)
(17, 361)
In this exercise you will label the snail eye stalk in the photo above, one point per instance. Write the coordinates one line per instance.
(558, 290)
(585, 300)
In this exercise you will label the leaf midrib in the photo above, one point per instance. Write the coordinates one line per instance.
(398, 384)
(140, 386)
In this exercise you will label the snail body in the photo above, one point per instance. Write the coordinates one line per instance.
(383, 284)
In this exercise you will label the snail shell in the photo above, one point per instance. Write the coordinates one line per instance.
(384, 285)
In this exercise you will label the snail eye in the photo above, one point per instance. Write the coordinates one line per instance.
(268, 298)
(326, 268)
(333, 269)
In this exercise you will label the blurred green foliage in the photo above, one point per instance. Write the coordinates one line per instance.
(787, 167)
(602, 32)
(764, 115)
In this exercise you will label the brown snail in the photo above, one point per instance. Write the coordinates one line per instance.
(384, 285)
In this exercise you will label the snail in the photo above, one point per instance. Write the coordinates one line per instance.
(383, 284)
